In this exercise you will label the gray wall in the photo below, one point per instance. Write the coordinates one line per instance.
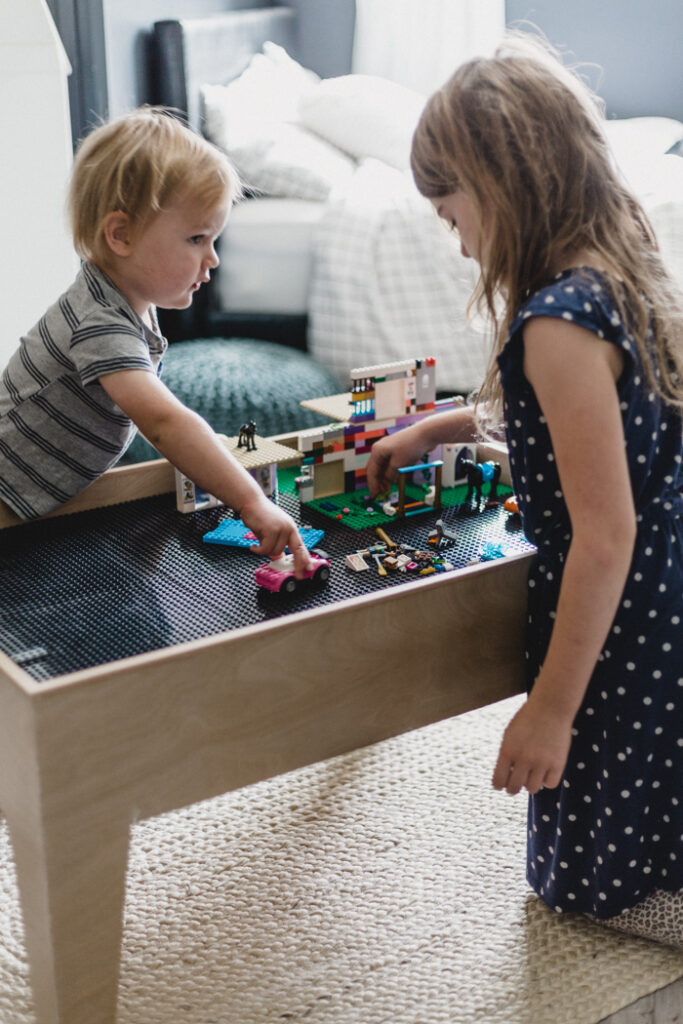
(324, 38)
(325, 35)
(107, 43)
(637, 44)
(127, 25)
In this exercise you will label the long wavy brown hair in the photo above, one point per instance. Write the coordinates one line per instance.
(523, 136)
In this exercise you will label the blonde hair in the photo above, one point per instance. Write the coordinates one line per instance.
(136, 164)
(523, 136)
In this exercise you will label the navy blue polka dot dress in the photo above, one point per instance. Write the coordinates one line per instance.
(612, 831)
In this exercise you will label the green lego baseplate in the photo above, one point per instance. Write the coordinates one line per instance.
(358, 512)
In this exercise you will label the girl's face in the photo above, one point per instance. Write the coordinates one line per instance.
(462, 215)
(173, 256)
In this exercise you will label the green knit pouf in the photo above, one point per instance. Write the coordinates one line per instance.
(231, 381)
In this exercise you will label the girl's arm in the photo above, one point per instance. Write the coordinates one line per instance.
(574, 375)
(188, 441)
(405, 447)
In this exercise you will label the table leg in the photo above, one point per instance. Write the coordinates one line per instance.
(71, 868)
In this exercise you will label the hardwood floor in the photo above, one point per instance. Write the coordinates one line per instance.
(662, 1007)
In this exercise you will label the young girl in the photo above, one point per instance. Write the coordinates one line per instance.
(148, 199)
(587, 375)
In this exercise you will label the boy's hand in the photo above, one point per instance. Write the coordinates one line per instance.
(275, 531)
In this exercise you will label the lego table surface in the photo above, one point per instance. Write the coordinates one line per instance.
(97, 586)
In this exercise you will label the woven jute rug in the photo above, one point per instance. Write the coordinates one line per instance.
(382, 887)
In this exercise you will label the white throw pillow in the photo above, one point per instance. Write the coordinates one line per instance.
(252, 118)
(290, 162)
(638, 145)
(654, 135)
(267, 92)
(364, 115)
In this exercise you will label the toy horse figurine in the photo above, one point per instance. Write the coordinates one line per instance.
(479, 473)
(247, 436)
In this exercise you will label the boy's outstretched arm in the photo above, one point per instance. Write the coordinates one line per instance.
(187, 441)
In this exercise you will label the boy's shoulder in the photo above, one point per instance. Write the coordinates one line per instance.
(93, 306)
(94, 296)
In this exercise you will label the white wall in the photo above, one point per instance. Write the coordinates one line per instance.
(419, 43)
(37, 260)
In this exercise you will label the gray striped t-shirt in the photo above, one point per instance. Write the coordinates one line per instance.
(59, 429)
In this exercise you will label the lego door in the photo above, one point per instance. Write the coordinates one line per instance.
(328, 478)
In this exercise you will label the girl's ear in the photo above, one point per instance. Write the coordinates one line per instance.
(117, 232)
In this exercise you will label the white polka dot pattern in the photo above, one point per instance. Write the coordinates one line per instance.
(612, 832)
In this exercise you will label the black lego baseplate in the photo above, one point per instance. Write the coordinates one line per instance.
(90, 588)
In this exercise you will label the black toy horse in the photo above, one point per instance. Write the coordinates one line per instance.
(479, 473)
(247, 436)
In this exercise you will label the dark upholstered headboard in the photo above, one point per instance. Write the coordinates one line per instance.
(194, 51)
(187, 54)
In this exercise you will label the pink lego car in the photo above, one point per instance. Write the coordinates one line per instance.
(278, 575)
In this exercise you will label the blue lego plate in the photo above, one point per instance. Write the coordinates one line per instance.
(233, 533)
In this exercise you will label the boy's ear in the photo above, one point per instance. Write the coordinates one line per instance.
(117, 232)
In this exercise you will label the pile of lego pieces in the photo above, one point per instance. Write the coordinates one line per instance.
(389, 556)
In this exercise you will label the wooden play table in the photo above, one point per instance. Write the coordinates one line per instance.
(86, 753)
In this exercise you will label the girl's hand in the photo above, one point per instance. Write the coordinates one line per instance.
(275, 531)
(404, 448)
(407, 446)
(534, 749)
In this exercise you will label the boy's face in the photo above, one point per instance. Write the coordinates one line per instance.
(173, 256)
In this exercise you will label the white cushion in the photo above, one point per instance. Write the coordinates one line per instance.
(290, 162)
(654, 135)
(252, 119)
(364, 115)
(638, 146)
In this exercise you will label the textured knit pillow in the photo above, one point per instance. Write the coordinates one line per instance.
(232, 381)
